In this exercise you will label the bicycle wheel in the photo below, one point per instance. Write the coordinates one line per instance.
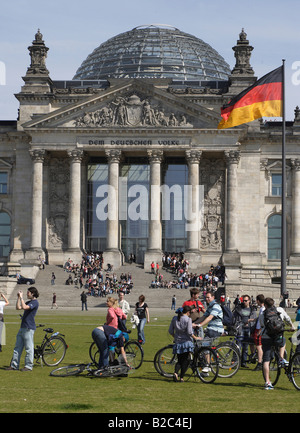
(94, 353)
(295, 370)
(274, 370)
(68, 370)
(206, 364)
(229, 360)
(112, 370)
(134, 353)
(54, 350)
(165, 360)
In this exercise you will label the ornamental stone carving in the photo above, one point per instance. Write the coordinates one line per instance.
(132, 111)
(59, 177)
(155, 156)
(113, 155)
(193, 156)
(232, 156)
(38, 54)
(212, 174)
(75, 155)
(37, 155)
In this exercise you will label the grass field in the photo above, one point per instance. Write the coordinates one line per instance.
(144, 391)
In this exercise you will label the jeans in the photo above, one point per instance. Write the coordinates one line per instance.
(102, 344)
(84, 305)
(243, 342)
(140, 330)
(24, 340)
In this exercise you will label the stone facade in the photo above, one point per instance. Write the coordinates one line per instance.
(46, 152)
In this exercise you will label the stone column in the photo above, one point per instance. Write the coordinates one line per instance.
(36, 204)
(112, 253)
(154, 251)
(75, 156)
(231, 255)
(295, 250)
(193, 207)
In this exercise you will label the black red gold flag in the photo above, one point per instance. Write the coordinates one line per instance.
(262, 99)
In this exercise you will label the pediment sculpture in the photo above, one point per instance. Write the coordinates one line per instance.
(132, 111)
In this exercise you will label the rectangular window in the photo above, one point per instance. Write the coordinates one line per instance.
(3, 182)
(276, 184)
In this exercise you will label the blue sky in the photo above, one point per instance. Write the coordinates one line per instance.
(72, 29)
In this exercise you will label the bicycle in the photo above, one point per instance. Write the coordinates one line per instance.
(52, 350)
(76, 369)
(133, 349)
(202, 358)
(292, 370)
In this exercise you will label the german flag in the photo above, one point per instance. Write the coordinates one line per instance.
(262, 99)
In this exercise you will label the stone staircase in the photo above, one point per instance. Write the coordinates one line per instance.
(68, 297)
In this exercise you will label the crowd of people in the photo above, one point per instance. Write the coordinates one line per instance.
(183, 279)
(90, 276)
(249, 317)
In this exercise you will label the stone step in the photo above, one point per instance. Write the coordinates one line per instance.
(69, 296)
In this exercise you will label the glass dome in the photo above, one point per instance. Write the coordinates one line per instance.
(154, 51)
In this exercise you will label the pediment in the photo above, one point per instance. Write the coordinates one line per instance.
(135, 104)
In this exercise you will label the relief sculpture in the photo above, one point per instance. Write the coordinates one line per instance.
(132, 111)
(58, 203)
(212, 177)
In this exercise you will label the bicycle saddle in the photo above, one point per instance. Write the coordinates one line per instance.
(48, 330)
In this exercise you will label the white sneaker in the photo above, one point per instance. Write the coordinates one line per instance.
(206, 370)
(283, 362)
(268, 386)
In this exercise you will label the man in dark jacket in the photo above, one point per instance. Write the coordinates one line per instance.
(242, 314)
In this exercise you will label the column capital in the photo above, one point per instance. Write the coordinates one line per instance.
(193, 156)
(75, 155)
(295, 163)
(232, 156)
(37, 155)
(113, 155)
(155, 155)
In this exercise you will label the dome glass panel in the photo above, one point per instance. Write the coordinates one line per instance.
(154, 51)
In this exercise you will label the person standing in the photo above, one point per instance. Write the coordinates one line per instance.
(54, 304)
(244, 315)
(173, 306)
(260, 299)
(3, 304)
(25, 336)
(142, 311)
(268, 340)
(83, 298)
(182, 330)
(53, 278)
(124, 305)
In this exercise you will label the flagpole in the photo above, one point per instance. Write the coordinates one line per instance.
(283, 193)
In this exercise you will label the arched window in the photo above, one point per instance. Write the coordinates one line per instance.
(4, 234)
(274, 237)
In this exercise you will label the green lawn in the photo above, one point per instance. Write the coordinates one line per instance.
(144, 391)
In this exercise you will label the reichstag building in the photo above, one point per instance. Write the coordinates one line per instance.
(120, 158)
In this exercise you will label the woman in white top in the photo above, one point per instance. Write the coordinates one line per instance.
(2, 327)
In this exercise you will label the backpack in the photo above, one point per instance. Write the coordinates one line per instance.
(228, 318)
(274, 325)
